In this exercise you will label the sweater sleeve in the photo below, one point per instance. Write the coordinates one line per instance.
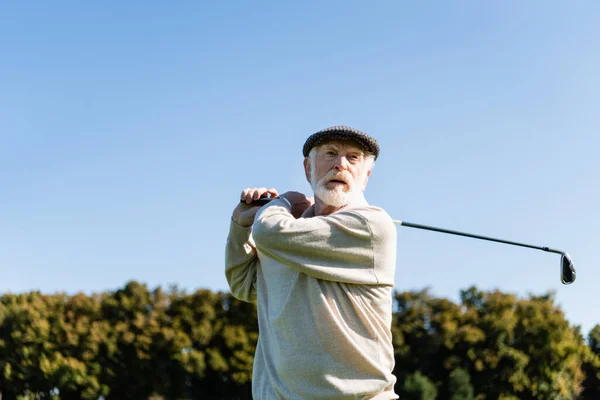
(241, 262)
(355, 246)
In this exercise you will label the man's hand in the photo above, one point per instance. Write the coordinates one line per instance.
(299, 202)
(244, 213)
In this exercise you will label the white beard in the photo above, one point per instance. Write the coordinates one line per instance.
(335, 197)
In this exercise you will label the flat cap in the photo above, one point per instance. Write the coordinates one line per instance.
(342, 132)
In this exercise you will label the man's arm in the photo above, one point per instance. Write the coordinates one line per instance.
(355, 246)
(241, 261)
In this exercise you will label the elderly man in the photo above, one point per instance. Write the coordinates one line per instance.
(322, 273)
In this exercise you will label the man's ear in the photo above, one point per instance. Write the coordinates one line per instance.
(307, 168)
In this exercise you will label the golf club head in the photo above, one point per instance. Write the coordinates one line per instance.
(567, 269)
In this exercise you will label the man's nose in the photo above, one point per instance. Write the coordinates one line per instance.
(341, 163)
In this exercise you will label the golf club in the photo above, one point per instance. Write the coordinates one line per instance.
(567, 267)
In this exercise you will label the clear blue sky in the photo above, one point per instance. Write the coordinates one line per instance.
(128, 130)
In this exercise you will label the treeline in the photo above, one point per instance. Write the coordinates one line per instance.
(137, 343)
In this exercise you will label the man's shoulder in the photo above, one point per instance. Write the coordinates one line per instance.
(378, 222)
(371, 213)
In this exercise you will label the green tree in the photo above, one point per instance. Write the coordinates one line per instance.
(418, 387)
(126, 352)
(45, 344)
(591, 366)
(594, 340)
(510, 347)
(140, 343)
(229, 350)
(459, 385)
(553, 349)
(415, 346)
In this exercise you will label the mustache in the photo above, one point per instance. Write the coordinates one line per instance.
(337, 175)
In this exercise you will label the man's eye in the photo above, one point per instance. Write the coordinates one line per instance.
(330, 153)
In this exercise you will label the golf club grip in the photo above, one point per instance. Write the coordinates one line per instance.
(259, 202)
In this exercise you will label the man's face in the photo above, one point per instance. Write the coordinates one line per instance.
(338, 172)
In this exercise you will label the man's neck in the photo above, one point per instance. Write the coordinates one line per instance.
(320, 208)
(324, 209)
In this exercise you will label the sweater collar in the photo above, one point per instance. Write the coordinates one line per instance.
(360, 202)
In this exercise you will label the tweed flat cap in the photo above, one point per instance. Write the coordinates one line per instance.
(341, 132)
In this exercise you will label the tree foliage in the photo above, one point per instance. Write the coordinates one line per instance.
(129, 344)
(416, 386)
(509, 347)
(591, 366)
(459, 385)
(141, 343)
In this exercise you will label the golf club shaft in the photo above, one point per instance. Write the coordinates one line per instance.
(432, 228)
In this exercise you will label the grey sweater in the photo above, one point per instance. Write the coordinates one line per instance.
(323, 286)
